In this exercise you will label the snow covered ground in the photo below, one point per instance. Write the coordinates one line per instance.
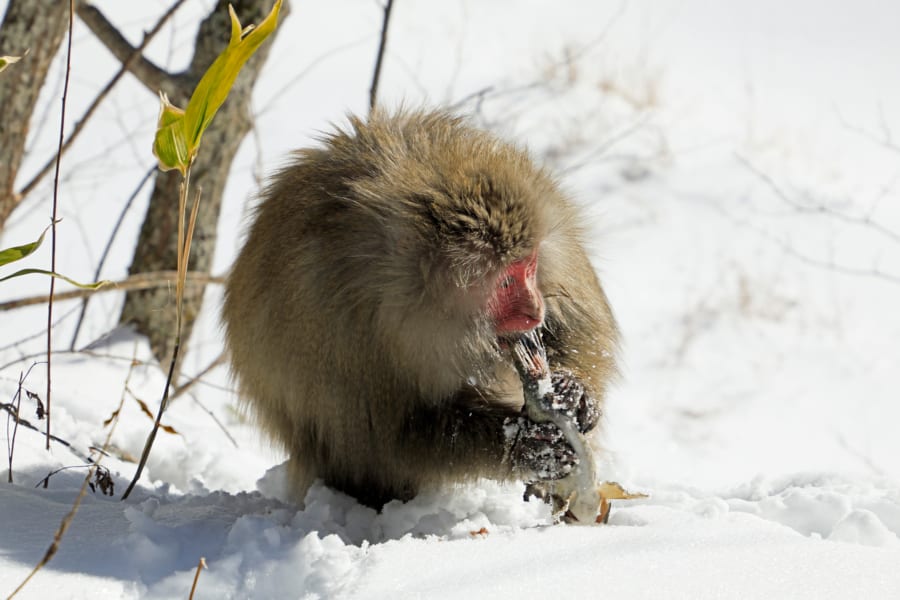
(739, 162)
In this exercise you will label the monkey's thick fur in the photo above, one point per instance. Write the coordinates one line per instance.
(355, 313)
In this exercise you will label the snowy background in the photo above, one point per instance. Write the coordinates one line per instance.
(739, 162)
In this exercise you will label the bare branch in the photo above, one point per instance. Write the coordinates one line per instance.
(789, 250)
(53, 216)
(138, 281)
(577, 53)
(819, 209)
(38, 334)
(198, 378)
(153, 77)
(606, 145)
(12, 409)
(186, 386)
(828, 265)
(884, 138)
(63, 351)
(106, 250)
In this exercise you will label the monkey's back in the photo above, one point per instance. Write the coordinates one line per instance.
(301, 314)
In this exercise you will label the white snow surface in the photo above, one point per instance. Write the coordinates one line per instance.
(738, 166)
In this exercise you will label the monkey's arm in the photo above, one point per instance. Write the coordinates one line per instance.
(462, 436)
(472, 437)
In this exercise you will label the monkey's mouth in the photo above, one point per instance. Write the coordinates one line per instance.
(516, 323)
(506, 341)
(519, 317)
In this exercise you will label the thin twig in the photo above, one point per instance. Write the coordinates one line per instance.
(184, 248)
(137, 281)
(45, 482)
(578, 52)
(373, 91)
(189, 237)
(148, 444)
(11, 409)
(41, 333)
(184, 388)
(179, 255)
(11, 439)
(605, 145)
(216, 420)
(105, 253)
(200, 565)
(788, 249)
(884, 139)
(63, 351)
(62, 133)
(477, 95)
(820, 209)
(126, 65)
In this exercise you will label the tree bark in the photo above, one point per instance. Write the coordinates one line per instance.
(38, 26)
(152, 311)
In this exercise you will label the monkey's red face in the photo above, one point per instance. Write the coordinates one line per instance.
(516, 304)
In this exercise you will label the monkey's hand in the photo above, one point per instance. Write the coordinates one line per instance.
(568, 397)
(541, 449)
(538, 450)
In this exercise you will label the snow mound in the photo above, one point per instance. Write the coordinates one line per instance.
(827, 508)
(796, 538)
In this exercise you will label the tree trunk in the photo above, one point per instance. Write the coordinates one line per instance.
(38, 26)
(152, 311)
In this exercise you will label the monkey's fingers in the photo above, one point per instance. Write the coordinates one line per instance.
(569, 397)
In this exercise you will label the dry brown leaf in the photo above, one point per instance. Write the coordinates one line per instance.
(111, 418)
(610, 490)
(146, 410)
(168, 429)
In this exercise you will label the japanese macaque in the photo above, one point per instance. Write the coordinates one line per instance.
(369, 314)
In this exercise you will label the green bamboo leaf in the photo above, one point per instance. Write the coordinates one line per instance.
(5, 61)
(15, 253)
(170, 145)
(85, 286)
(218, 79)
(179, 132)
